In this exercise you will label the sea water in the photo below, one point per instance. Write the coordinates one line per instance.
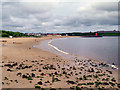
(100, 48)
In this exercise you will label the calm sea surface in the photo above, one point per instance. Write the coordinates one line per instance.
(101, 48)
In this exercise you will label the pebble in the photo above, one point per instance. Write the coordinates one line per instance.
(40, 83)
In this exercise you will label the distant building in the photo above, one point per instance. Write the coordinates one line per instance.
(10, 36)
(53, 34)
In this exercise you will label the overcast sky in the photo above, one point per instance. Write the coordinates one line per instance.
(59, 15)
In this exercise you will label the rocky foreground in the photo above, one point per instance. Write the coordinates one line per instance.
(82, 74)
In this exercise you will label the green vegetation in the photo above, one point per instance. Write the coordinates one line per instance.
(90, 83)
(81, 84)
(37, 87)
(10, 33)
(4, 33)
(78, 88)
(6, 78)
(110, 34)
(55, 79)
(30, 78)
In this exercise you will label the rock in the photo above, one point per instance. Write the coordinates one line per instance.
(23, 67)
(33, 70)
(3, 83)
(20, 65)
(24, 76)
(11, 80)
(45, 85)
(17, 68)
(72, 82)
(40, 83)
(15, 64)
(56, 73)
(37, 87)
(9, 70)
(9, 65)
(64, 72)
(42, 74)
(6, 78)
(33, 75)
(19, 74)
(74, 68)
(39, 70)
(26, 67)
(29, 66)
(105, 83)
(16, 81)
(47, 82)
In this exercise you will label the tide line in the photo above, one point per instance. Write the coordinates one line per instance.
(56, 48)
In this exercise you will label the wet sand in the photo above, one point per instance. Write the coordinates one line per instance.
(25, 66)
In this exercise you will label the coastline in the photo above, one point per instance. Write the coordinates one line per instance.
(61, 51)
(56, 48)
(23, 52)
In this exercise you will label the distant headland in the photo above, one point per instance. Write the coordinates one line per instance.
(5, 33)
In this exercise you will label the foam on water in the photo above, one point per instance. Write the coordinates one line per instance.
(56, 48)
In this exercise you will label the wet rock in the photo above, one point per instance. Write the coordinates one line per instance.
(2, 83)
(5, 78)
(20, 65)
(8, 65)
(9, 70)
(105, 83)
(24, 76)
(32, 61)
(64, 72)
(40, 83)
(23, 67)
(33, 70)
(15, 64)
(29, 66)
(42, 74)
(74, 68)
(102, 64)
(26, 67)
(29, 78)
(16, 81)
(11, 80)
(37, 87)
(45, 85)
(56, 73)
(47, 82)
(33, 75)
(19, 74)
(17, 68)
(71, 82)
(39, 70)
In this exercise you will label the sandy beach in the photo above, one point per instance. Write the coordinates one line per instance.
(25, 66)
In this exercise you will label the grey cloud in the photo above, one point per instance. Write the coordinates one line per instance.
(41, 17)
(106, 6)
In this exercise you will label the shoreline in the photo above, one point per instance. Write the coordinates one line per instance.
(20, 60)
(56, 48)
(61, 51)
